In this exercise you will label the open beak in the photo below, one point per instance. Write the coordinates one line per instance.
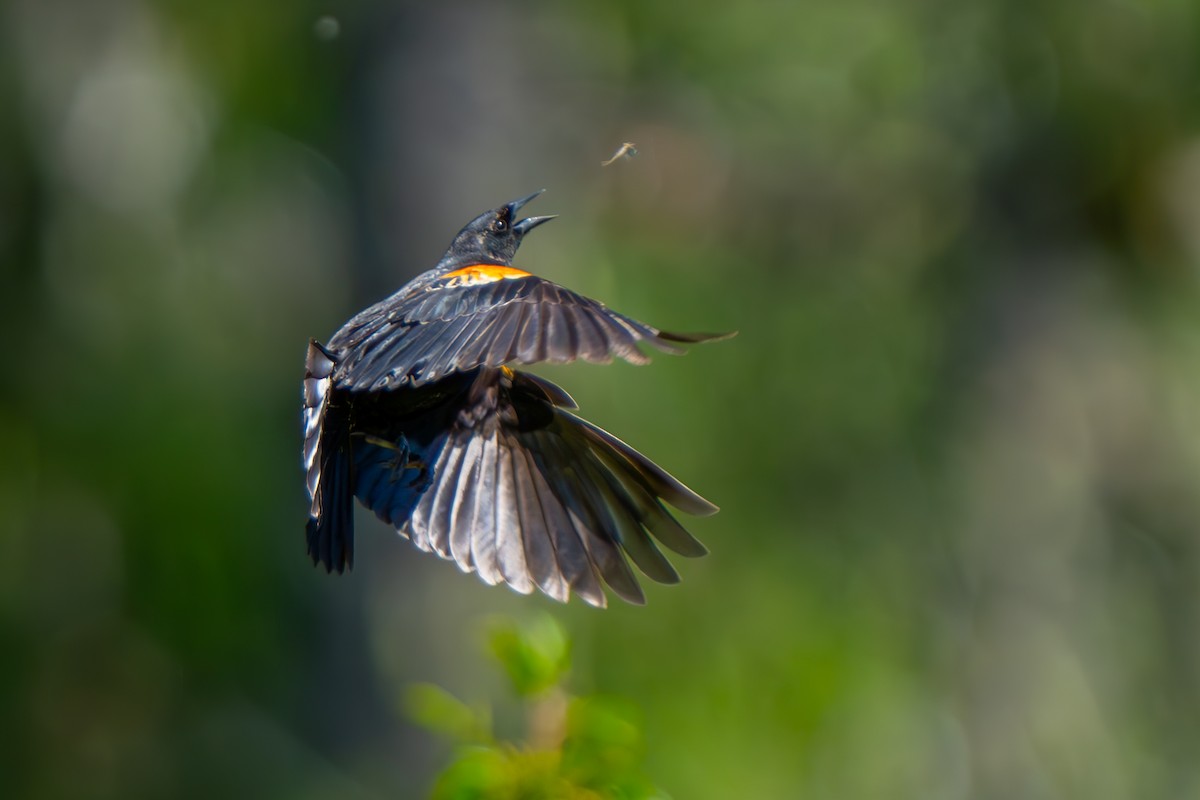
(526, 225)
(517, 205)
(529, 223)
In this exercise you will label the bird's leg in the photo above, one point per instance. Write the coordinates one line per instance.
(424, 478)
(404, 459)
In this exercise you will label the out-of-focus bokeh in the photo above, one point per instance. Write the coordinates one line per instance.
(957, 443)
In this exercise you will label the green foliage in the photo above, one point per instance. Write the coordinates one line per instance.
(535, 656)
(434, 708)
(575, 747)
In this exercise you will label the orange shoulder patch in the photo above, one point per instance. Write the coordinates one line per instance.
(481, 273)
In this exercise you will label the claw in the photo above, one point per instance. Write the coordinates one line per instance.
(404, 459)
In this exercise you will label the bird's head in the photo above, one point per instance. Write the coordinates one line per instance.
(495, 235)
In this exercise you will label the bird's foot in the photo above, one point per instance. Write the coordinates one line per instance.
(404, 459)
(424, 478)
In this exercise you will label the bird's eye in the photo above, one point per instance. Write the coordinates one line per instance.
(499, 226)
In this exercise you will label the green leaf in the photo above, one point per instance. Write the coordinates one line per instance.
(535, 656)
(476, 772)
(603, 745)
(435, 709)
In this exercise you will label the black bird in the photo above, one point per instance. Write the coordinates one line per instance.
(412, 409)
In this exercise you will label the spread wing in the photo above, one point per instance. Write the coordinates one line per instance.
(486, 315)
(525, 493)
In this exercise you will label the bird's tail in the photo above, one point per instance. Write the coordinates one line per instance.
(329, 470)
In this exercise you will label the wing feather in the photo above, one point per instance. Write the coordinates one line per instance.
(559, 334)
(472, 353)
(539, 546)
(570, 551)
(446, 327)
(393, 354)
(433, 518)
(510, 544)
(463, 514)
(504, 341)
(601, 533)
(657, 479)
(631, 534)
(531, 345)
(623, 341)
(442, 509)
(483, 517)
(591, 342)
(442, 359)
(650, 510)
(519, 490)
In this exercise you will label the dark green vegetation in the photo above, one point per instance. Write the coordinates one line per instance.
(956, 445)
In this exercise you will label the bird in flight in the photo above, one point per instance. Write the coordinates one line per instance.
(413, 408)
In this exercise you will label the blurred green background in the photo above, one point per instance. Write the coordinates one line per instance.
(957, 443)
